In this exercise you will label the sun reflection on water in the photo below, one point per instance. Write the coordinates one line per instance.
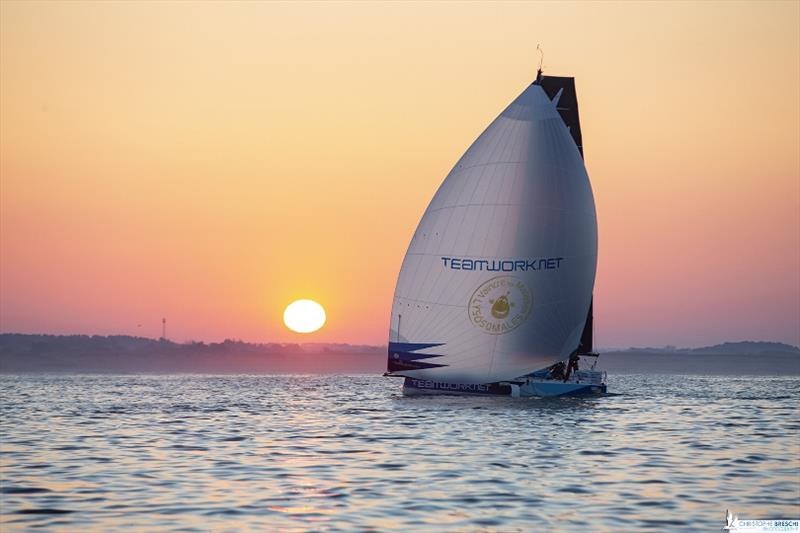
(297, 453)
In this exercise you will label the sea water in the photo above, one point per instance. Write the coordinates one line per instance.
(341, 453)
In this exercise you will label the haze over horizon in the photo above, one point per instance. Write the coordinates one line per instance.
(310, 342)
(211, 163)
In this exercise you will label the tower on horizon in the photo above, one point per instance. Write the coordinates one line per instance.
(163, 329)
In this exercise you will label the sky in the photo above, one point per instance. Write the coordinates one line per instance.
(211, 162)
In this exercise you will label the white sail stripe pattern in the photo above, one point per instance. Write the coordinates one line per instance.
(498, 276)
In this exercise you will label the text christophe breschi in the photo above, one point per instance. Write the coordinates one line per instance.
(502, 265)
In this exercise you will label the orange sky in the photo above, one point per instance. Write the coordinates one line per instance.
(211, 162)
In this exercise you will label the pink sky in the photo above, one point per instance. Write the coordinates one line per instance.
(213, 162)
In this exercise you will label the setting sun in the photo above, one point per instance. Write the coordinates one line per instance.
(304, 316)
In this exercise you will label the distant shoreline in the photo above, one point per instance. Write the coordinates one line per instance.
(71, 354)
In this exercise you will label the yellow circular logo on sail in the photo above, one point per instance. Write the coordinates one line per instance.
(500, 305)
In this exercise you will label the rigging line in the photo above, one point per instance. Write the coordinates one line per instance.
(541, 61)
(541, 56)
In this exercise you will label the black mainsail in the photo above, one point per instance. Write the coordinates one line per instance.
(561, 90)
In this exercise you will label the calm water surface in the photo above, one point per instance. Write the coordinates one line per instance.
(328, 453)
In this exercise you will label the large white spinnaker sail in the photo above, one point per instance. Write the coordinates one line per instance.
(498, 278)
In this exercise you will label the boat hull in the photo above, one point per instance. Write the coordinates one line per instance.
(533, 388)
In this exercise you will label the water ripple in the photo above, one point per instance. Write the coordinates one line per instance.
(336, 453)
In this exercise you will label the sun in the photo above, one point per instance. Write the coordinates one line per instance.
(304, 316)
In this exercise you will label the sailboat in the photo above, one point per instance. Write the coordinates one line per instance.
(494, 296)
